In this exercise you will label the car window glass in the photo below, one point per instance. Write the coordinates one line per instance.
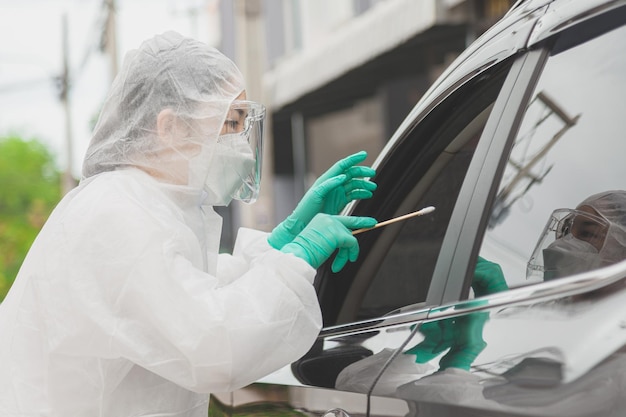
(405, 273)
(570, 146)
(427, 169)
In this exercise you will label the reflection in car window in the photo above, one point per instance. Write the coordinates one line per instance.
(570, 146)
(427, 169)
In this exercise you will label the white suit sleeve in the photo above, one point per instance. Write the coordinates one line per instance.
(142, 299)
(251, 246)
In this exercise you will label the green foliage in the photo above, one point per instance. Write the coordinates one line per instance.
(29, 190)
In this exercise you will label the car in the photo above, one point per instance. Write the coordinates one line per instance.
(453, 313)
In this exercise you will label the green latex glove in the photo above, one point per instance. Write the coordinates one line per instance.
(488, 278)
(462, 335)
(326, 233)
(330, 193)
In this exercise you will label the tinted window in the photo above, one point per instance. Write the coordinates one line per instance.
(427, 168)
(570, 146)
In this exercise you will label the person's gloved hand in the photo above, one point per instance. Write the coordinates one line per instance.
(323, 235)
(488, 278)
(331, 192)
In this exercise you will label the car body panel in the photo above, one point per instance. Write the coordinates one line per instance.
(568, 14)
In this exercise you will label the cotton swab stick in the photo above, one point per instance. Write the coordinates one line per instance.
(421, 212)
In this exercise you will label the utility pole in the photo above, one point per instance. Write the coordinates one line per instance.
(250, 58)
(524, 169)
(524, 178)
(67, 181)
(110, 39)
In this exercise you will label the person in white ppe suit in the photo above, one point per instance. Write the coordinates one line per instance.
(123, 306)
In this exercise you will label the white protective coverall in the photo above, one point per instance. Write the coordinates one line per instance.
(123, 306)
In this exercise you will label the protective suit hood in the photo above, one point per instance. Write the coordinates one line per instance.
(164, 114)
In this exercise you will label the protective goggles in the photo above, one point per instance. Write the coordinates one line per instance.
(567, 223)
(244, 125)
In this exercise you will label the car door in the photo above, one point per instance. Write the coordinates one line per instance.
(372, 307)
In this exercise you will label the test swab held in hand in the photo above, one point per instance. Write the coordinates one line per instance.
(421, 212)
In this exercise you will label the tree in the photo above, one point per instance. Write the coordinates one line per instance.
(29, 190)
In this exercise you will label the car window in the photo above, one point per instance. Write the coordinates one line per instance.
(426, 168)
(569, 147)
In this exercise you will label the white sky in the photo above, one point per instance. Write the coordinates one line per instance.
(31, 56)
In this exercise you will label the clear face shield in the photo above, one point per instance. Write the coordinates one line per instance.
(243, 132)
(225, 162)
(572, 242)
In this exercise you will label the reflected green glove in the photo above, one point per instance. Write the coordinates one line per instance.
(488, 278)
(326, 233)
(330, 193)
(463, 336)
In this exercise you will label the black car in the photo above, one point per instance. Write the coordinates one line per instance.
(454, 313)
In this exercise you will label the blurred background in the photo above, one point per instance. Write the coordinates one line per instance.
(337, 76)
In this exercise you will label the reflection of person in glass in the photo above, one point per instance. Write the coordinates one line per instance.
(459, 339)
(461, 335)
(589, 237)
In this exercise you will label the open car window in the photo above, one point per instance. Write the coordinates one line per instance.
(426, 167)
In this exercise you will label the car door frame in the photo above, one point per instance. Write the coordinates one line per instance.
(455, 266)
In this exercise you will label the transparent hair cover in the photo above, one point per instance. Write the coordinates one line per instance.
(164, 114)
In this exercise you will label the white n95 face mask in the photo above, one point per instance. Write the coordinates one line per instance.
(569, 256)
(232, 164)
